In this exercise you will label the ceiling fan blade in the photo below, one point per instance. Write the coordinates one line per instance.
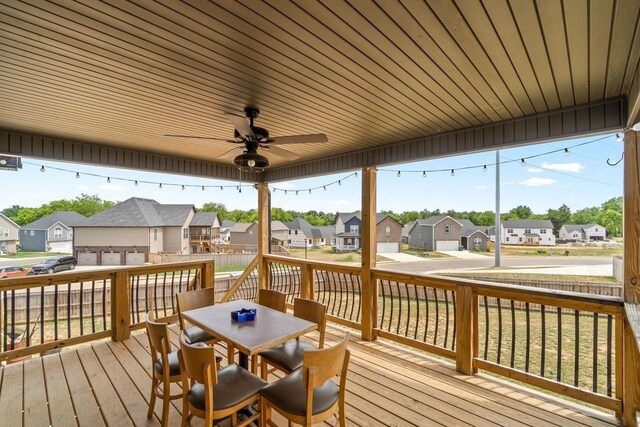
(299, 139)
(281, 152)
(196, 137)
(231, 153)
(241, 125)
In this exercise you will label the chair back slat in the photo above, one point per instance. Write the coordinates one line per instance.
(199, 362)
(191, 300)
(323, 364)
(272, 299)
(312, 311)
(158, 333)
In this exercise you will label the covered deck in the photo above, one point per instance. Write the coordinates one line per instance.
(108, 383)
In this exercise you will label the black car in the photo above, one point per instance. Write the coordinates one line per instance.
(52, 265)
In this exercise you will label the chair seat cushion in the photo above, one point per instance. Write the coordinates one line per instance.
(235, 384)
(195, 334)
(289, 354)
(288, 394)
(174, 365)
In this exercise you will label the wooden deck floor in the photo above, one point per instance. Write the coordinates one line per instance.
(108, 383)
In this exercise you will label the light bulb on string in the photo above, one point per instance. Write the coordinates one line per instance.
(309, 191)
(77, 174)
(398, 174)
(203, 188)
(324, 187)
(221, 188)
(285, 192)
(566, 152)
(453, 172)
(424, 174)
(339, 182)
(108, 180)
(296, 192)
(523, 163)
(135, 183)
(355, 173)
(41, 168)
(160, 186)
(619, 138)
(484, 168)
(183, 187)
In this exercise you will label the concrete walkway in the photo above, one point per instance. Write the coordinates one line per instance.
(463, 254)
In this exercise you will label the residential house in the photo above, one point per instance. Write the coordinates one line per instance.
(247, 234)
(348, 229)
(436, 233)
(473, 237)
(50, 233)
(279, 234)
(225, 230)
(527, 232)
(129, 231)
(405, 231)
(8, 235)
(328, 233)
(588, 232)
(204, 232)
(301, 234)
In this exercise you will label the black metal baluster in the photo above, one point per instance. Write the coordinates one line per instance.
(68, 310)
(513, 333)
(453, 340)
(415, 333)
(528, 349)
(353, 296)
(155, 295)
(559, 361)
(132, 299)
(28, 326)
(325, 278)
(576, 367)
(146, 294)
(5, 321)
(609, 359)
(137, 285)
(357, 319)
(93, 306)
(595, 352)
(173, 290)
(164, 295)
(13, 319)
(391, 303)
(543, 339)
(486, 327)
(55, 312)
(446, 321)
(406, 330)
(81, 302)
(435, 331)
(42, 315)
(330, 296)
(425, 293)
(104, 303)
(499, 331)
(341, 294)
(384, 304)
(399, 307)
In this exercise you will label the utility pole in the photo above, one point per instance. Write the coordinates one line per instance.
(497, 233)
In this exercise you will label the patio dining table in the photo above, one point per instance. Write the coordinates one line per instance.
(269, 329)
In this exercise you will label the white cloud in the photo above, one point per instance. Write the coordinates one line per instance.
(534, 170)
(342, 202)
(111, 187)
(480, 187)
(537, 182)
(564, 167)
(84, 188)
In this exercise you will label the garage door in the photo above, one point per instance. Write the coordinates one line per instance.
(87, 258)
(136, 258)
(387, 248)
(64, 247)
(446, 245)
(111, 258)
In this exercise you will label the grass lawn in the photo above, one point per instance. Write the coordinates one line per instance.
(423, 253)
(32, 255)
(327, 255)
(546, 251)
(479, 275)
(228, 268)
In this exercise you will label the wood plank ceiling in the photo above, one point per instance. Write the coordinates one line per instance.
(366, 73)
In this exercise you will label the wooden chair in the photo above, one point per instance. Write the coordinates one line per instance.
(192, 300)
(165, 368)
(309, 395)
(215, 393)
(288, 357)
(273, 299)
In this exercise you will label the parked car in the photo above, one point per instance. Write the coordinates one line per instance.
(52, 265)
(7, 272)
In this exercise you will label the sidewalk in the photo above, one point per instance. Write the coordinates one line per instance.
(463, 254)
(402, 257)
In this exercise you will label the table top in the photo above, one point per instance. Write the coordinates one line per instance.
(271, 327)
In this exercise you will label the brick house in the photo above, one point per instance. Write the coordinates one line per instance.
(436, 233)
(348, 231)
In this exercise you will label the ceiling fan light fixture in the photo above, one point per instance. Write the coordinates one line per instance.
(251, 161)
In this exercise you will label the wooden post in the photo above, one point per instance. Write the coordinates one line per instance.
(631, 290)
(120, 314)
(466, 303)
(369, 296)
(207, 275)
(263, 234)
(306, 281)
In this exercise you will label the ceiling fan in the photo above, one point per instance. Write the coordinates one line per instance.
(250, 137)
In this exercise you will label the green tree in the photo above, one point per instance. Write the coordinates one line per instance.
(559, 217)
(615, 203)
(12, 212)
(218, 208)
(586, 216)
(521, 211)
(612, 221)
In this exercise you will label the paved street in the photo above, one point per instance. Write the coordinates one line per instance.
(4, 262)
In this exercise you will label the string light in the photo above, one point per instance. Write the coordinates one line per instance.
(77, 174)
(203, 188)
(339, 182)
(619, 138)
(566, 152)
(523, 163)
(453, 172)
(324, 187)
(135, 183)
(42, 169)
(221, 188)
(424, 174)
(309, 191)
(296, 192)
(398, 174)
(183, 187)
(160, 185)
(108, 180)
(484, 168)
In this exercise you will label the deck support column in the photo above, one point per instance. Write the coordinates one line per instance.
(120, 314)
(631, 290)
(264, 207)
(369, 284)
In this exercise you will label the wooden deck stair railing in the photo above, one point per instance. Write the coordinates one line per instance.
(54, 311)
(523, 333)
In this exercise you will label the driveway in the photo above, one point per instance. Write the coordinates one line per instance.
(463, 254)
(402, 257)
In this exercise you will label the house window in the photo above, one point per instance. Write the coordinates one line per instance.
(250, 232)
(520, 239)
(596, 229)
(3, 246)
(353, 228)
(296, 232)
(310, 241)
(543, 231)
(6, 232)
(447, 228)
(205, 231)
(509, 230)
(507, 239)
(57, 233)
(185, 233)
(155, 234)
(527, 230)
(32, 233)
(477, 241)
(387, 231)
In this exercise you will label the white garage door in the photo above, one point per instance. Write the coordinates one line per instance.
(387, 248)
(64, 247)
(136, 258)
(87, 258)
(111, 258)
(446, 245)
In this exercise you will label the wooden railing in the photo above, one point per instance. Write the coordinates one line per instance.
(42, 313)
(565, 342)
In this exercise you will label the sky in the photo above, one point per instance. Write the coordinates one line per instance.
(581, 179)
